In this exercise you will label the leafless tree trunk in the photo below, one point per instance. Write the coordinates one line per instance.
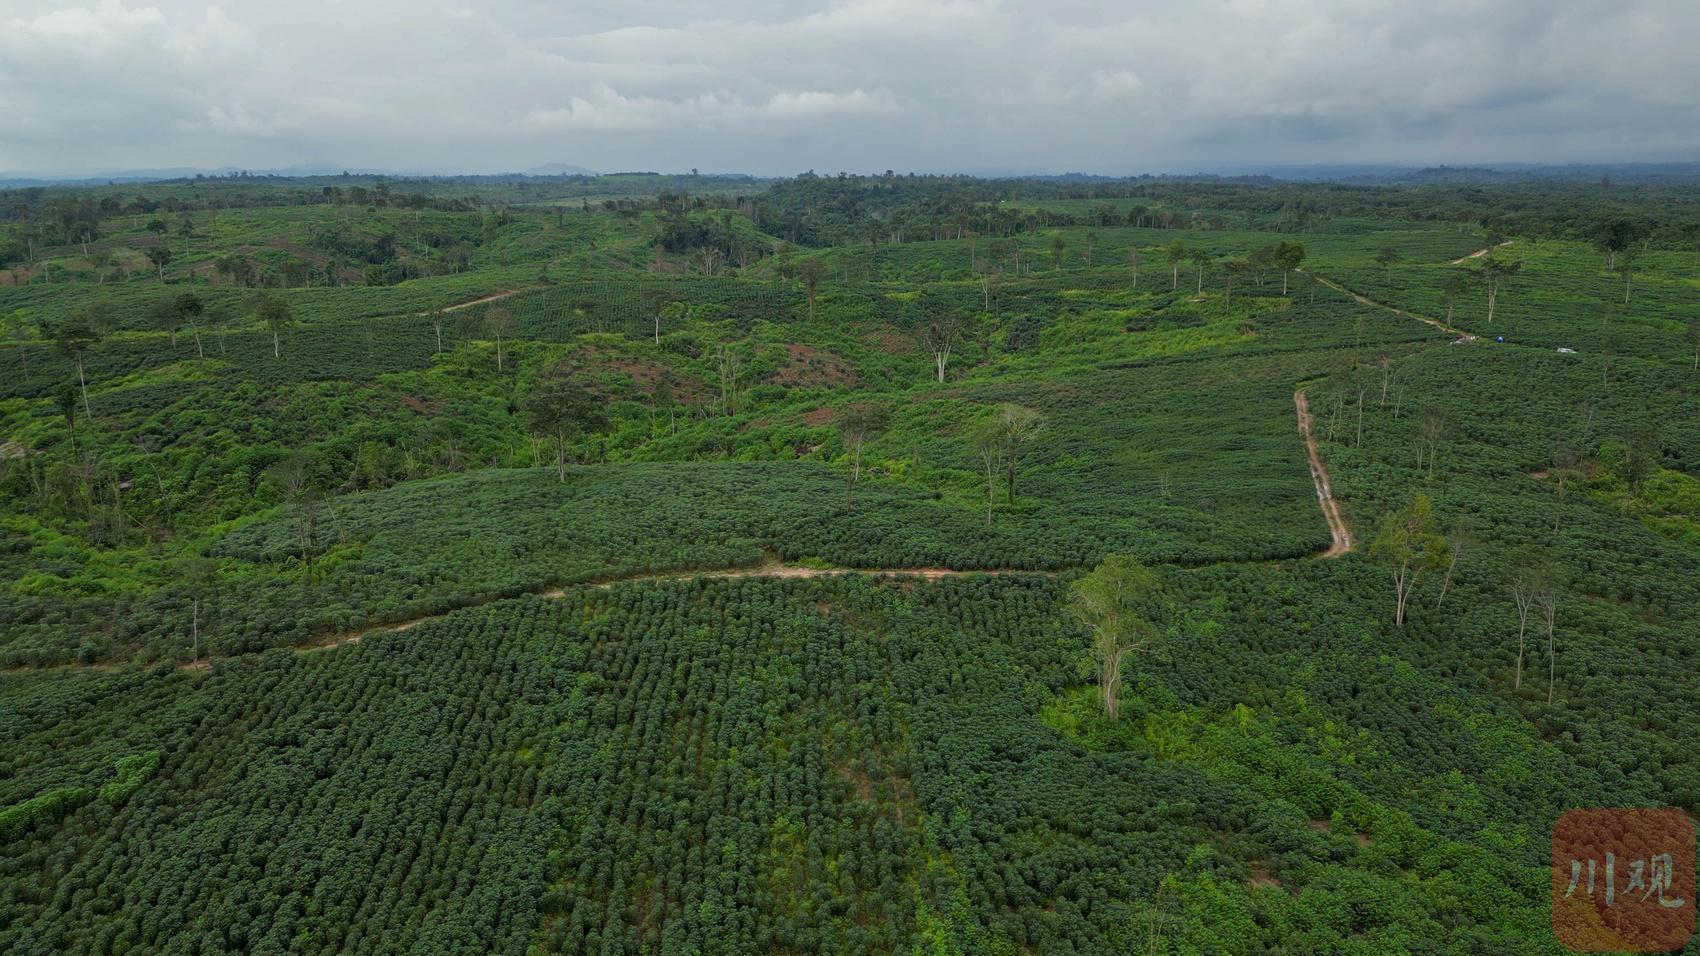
(1523, 594)
(989, 456)
(1404, 582)
(1362, 388)
(1549, 609)
(85, 386)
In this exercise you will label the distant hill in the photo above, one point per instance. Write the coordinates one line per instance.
(14, 180)
(17, 179)
(1624, 173)
(559, 169)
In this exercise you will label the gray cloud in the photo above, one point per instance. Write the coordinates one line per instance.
(769, 87)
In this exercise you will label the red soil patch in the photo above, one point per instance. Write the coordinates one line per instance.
(806, 367)
(418, 404)
(820, 416)
(889, 342)
(645, 374)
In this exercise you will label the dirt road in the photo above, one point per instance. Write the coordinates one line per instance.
(1337, 527)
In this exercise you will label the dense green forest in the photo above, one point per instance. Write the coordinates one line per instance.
(863, 564)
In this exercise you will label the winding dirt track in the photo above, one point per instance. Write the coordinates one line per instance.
(772, 569)
(1478, 253)
(489, 298)
(1337, 527)
(1362, 299)
(493, 297)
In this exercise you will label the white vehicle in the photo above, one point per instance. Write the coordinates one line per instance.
(1565, 351)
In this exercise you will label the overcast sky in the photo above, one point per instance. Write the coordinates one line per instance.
(773, 87)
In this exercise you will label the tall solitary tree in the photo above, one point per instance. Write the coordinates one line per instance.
(1614, 236)
(82, 232)
(656, 302)
(1016, 426)
(274, 313)
(1201, 260)
(20, 328)
(469, 325)
(1409, 543)
(729, 364)
(1547, 600)
(990, 273)
(1387, 259)
(217, 318)
(1133, 265)
(1532, 576)
(1626, 268)
(1289, 256)
(987, 437)
(164, 317)
(201, 574)
(498, 322)
(1643, 454)
(438, 318)
(813, 269)
(939, 335)
(858, 425)
(160, 256)
(1233, 270)
(1174, 254)
(298, 482)
(1456, 284)
(73, 340)
(1108, 602)
(189, 308)
(1059, 247)
(1459, 538)
(1434, 424)
(65, 399)
(1493, 275)
(559, 409)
